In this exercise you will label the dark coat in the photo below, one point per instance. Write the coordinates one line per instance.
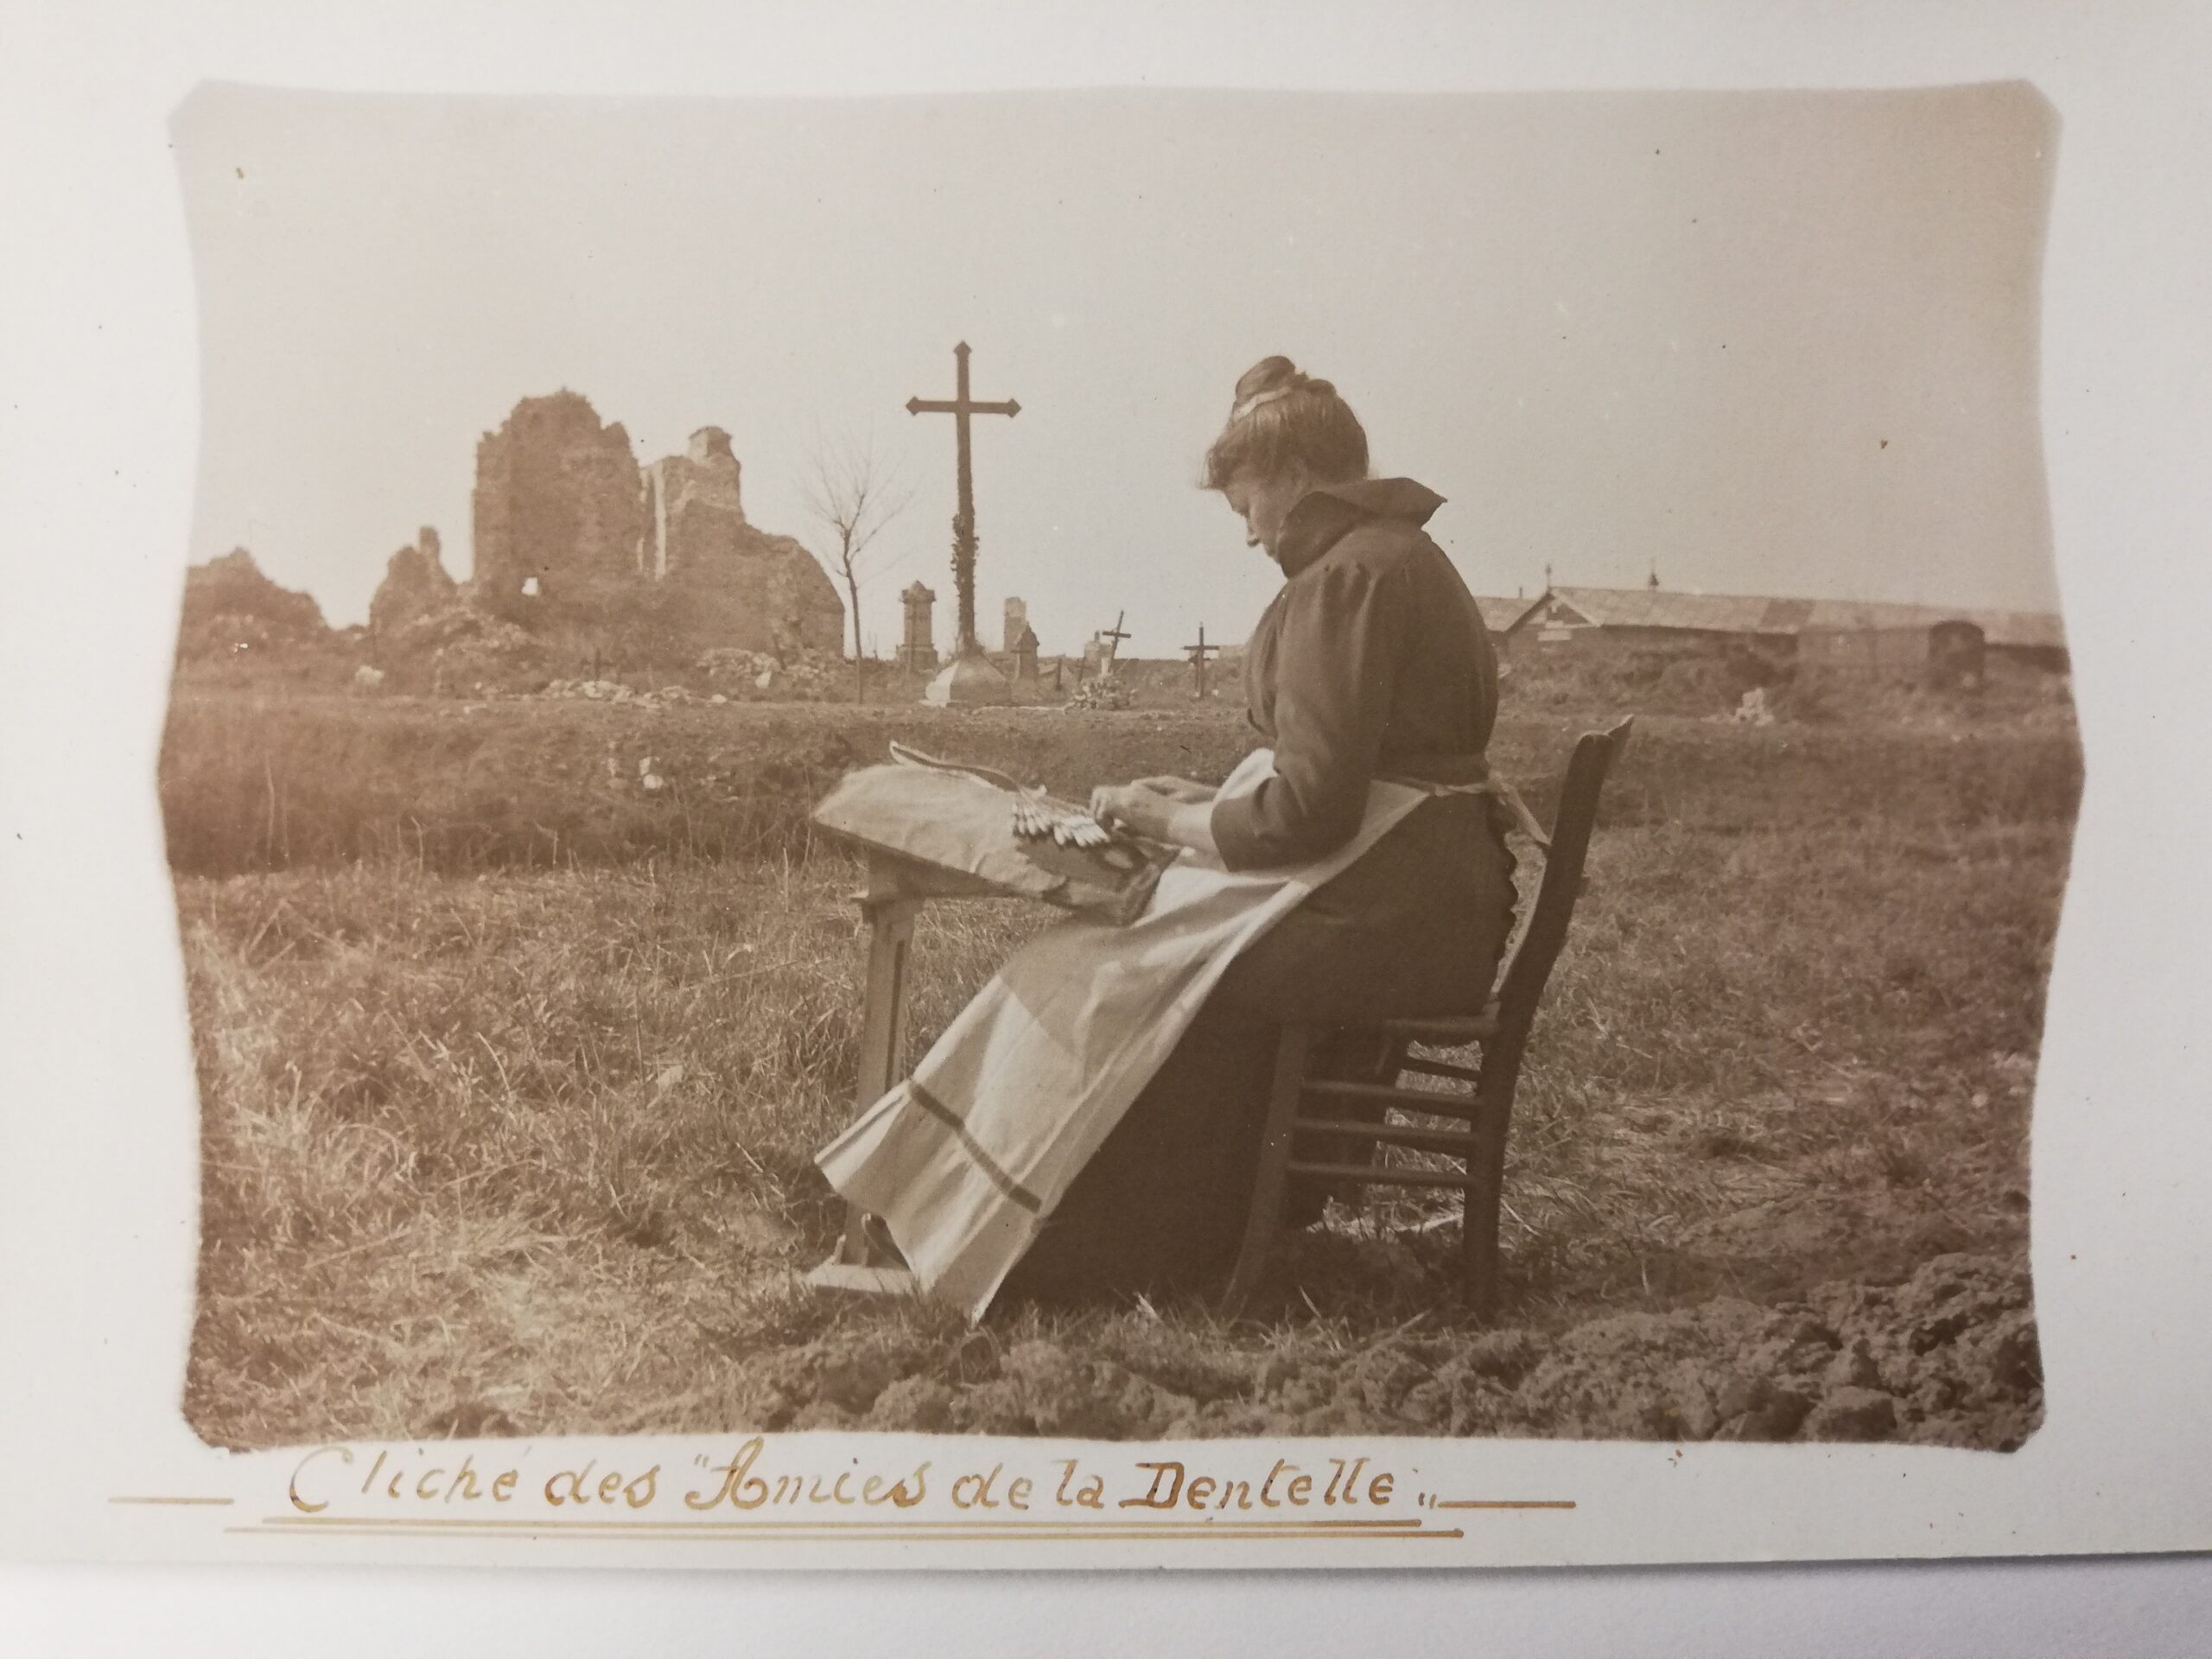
(1372, 661)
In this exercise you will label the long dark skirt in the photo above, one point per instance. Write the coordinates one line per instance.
(1414, 928)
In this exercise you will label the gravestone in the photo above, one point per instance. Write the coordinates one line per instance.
(917, 649)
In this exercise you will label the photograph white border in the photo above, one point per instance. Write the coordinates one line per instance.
(97, 1159)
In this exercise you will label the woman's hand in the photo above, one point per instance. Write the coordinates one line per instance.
(1156, 816)
(1132, 807)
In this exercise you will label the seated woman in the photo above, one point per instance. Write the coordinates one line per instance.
(1372, 663)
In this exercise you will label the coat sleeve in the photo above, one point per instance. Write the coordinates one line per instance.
(1343, 639)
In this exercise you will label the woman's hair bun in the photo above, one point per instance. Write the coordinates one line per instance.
(1269, 374)
(1282, 415)
(1271, 379)
(1273, 375)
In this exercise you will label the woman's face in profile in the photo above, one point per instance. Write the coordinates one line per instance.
(1263, 502)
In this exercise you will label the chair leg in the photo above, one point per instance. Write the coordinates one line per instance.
(1486, 1183)
(1268, 1187)
(1478, 1246)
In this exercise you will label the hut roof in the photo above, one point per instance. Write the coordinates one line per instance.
(1746, 613)
(1501, 613)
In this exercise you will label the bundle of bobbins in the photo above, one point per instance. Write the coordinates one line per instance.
(1034, 818)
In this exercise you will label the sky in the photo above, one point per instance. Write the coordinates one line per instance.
(1760, 342)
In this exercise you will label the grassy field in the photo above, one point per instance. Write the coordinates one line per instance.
(513, 1073)
(262, 780)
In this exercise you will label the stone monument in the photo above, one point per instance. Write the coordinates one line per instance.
(970, 677)
(917, 648)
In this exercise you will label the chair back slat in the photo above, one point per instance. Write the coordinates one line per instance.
(1522, 985)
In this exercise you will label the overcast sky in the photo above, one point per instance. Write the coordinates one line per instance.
(1766, 342)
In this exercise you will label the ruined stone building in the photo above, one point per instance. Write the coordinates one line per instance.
(694, 501)
(415, 584)
(568, 528)
(558, 498)
(755, 590)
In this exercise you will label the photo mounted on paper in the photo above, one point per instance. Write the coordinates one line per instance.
(1123, 767)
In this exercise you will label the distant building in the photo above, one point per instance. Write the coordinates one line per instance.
(1842, 636)
(1499, 614)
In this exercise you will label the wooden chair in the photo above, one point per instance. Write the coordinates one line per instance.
(1299, 1105)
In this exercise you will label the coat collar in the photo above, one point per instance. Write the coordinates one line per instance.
(1323, 517)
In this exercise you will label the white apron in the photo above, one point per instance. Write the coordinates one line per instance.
(964, 1159)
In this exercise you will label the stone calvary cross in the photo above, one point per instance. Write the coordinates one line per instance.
(965, 647)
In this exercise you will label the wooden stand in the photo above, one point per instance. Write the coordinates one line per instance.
(896, 889)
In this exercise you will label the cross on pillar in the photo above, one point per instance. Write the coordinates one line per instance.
(1198, 653)
(960, 407)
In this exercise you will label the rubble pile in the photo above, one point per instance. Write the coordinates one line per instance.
(1108, 692)
(1754, 709)
(759, 676)
(231, 610)
(461, 648)
(614, 691)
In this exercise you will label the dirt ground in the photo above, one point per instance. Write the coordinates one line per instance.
(1949, 1357)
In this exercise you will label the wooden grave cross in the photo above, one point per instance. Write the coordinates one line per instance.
(1198, 653)
(1113, 637)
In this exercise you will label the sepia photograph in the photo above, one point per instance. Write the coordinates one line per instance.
(1118, 766)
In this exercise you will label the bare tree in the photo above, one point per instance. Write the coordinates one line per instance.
(854, 495)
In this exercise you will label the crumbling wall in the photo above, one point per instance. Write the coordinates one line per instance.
(695, 509)
(592, 554)
(415, 584)
(559, 506)
(742, 587)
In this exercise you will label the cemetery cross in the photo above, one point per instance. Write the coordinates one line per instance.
(960, 407)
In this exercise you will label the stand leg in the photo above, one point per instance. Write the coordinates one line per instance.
(858, 1264)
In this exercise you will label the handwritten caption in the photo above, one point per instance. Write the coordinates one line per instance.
(754, 1476)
